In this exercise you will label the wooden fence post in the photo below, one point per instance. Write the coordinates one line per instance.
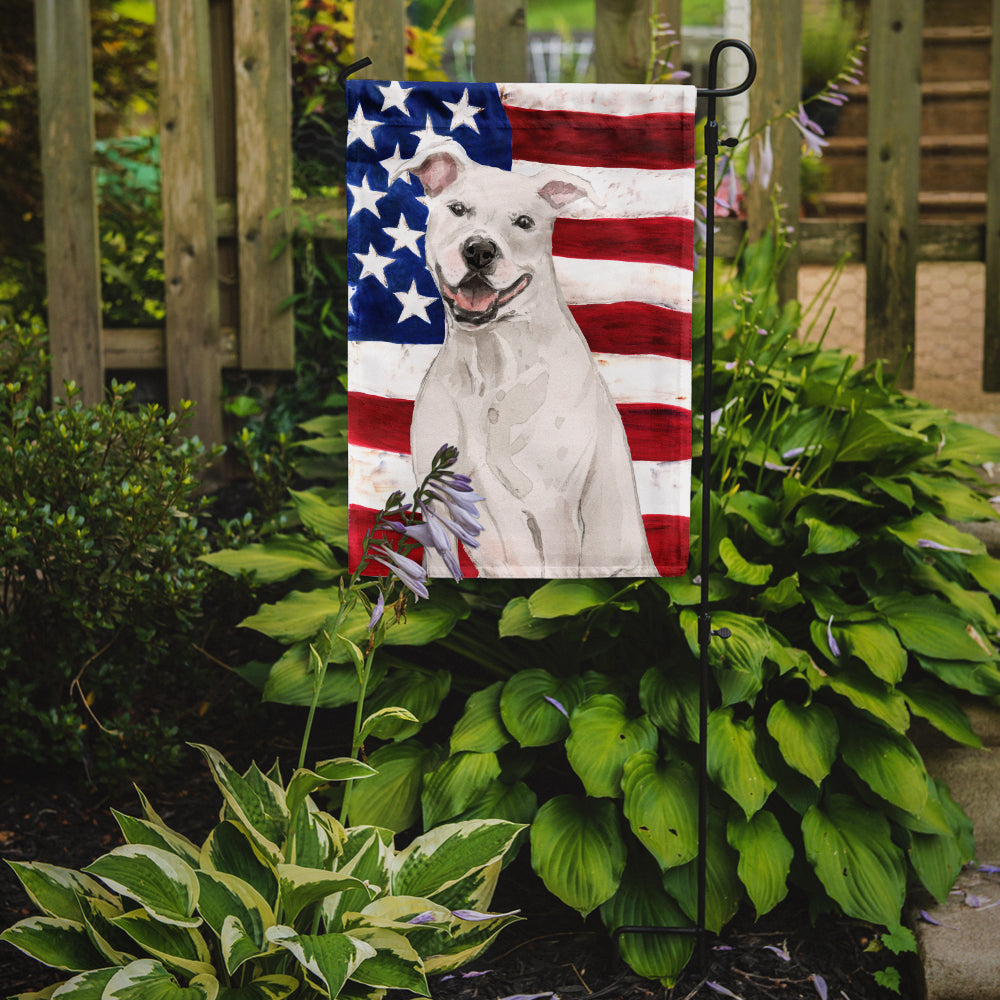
(380, 34)
(262, 60)
(190, 251)
(776, 34)
(893, 183)
(501, 41)
(621, 40)
(72, 255)
(991, 332)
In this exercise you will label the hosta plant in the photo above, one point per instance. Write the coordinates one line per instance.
(279, 900)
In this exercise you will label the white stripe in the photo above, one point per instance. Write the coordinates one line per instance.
(372, 475)
(587, 282)
(600, 98)
(646, 378)
(664, 487)
(626, 193)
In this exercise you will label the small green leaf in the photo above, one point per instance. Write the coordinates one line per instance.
(928, 528)
(327, 520)
(559, 598)
(732, 760)
(936, 704)
(535, 706)
(481, 727)
(932, 628)
(279, 558)
(765, 858)
(456, 784)
(888, 763)
(751, 574)
(783, 595)
(671, 699)
(807, 736)
(418, 690)
(384, 723)
(517, 620)
(827, 539)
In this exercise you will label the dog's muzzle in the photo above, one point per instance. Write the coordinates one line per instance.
(474, 300)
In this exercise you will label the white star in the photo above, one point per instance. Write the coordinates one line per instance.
(395, 97)
(404, 236)
(365, 197)
(414, 304)
(391, 164)
(374, 264)
(462, 113)
(425, 135)
(360, 128)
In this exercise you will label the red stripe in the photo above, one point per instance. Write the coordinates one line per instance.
(360, 521)
(656, 240)
(656, 433)
(668, 536)
(584, 139)
(379, 422)
(635, 328)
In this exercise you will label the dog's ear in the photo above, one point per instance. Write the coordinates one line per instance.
(437, 166)
(560, 188)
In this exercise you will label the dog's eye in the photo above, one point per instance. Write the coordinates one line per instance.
(524, 222)
(457, 208)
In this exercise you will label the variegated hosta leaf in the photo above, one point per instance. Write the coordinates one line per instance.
(86, 986)
(304, 782)
(147, 979)
(417, 690)
(395, 964)
(456, 784)
(732, 760)
(888, 763)
(274, 987)
(807, 736)
(642, 902)
(300, 887)
(850, 847)
(177, 947)
(578, 851)
(315, 838)
(158, 880)
(256, 801)
(56, 891)
(54, 941)
(476, 890)
(391, 799)
(141, 831)
(230, 849)
(661, 799)
(535, 706)
(225, 897)
(116, 946)
(602, 737)
(441, 857)
(765, 858)
(329, 959)
(481, 727)
(367, 853)
(468, 939)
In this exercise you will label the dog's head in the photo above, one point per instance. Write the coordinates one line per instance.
(489, 231)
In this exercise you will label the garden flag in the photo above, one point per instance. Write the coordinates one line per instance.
(520, 277)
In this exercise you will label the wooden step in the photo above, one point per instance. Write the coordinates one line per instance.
(956, 53)
(940, 13)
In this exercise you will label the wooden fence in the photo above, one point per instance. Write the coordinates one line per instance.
(226, 160)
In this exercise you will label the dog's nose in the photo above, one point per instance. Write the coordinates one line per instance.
(479, 253)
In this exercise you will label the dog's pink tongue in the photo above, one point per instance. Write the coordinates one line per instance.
(475, 297)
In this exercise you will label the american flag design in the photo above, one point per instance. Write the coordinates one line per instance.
(623, 259)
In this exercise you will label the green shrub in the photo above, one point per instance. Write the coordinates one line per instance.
(99, 541)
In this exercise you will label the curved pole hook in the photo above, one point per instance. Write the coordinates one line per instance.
(713, 69)
(352, 68)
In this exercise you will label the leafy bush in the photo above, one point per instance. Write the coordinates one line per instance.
(99, 539)
(279, 898)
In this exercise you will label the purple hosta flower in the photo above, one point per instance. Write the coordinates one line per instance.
(811, 132)
(429, 536)
(834, 648)
(411, 574)
(475, 915)
(427, 917)
(377, 611)
(460, 502)
(820, 983)
(990, 869)
(559, 705)
(719, 988)
(780, 952)
(727, 197)
(927, 918)
(761, 163)
(531, 996)
(465, 975)
(927, 543)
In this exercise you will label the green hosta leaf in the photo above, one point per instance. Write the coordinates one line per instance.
(783, 595)
(876, 646)
(765, 858)
(54, 941)
(723, 889)
(602, 738)
(928, 528)
(481, 728)
(438, 859)
(758, 511)
(752, 574)
(141, 831)
(527, 711)
(418, 690)
(304, 782)
(850, 847)
(827, 539)
(732, 760)
(986, 571)
(578, 851)
(807, 736)
(395, 964)
(893, 488)
(976, 678)
(292, 680)
(937, 859)
(274, 987)
(159, 881)
(180, 948)
(301, 887)
(391, 798)
(865, 692)
(516, 803)
(870, 435)
(965, 443)
(56, 891)
(279, 558)
(230, 849)
(738, 661)
(147, 979)
(931, 628)
(456, 784)
(976, 605)
(327, 520)
(260, 809)
(957, 501)
(661, 798)
(559, 598)
(517, 620)
(225, 897)
(941, 709)
(330, 959)
(671, 699)
(641, 901)
(888, 763)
